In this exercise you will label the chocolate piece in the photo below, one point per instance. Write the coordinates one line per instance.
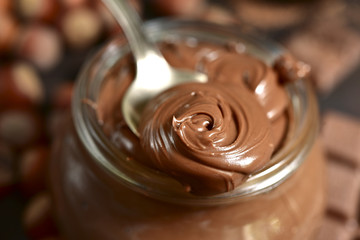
(332, 229)
(341, 137)
(343, 185)
(331, 49)
(269, 15)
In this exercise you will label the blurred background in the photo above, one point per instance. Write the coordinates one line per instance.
(44, 43)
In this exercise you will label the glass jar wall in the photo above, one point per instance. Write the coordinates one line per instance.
(100, 194)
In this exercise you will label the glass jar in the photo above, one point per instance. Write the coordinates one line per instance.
(99, 194)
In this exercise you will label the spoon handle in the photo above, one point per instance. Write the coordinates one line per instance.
(132, 27)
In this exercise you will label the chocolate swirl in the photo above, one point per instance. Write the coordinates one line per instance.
(228, 66)
(208, 136)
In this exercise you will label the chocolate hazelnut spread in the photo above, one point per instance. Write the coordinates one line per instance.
(211, 136)
(109, 184)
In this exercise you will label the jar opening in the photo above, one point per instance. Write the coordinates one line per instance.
(300, 138)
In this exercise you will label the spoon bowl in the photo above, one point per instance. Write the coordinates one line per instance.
(153, 73)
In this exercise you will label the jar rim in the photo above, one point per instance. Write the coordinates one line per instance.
(282, 165)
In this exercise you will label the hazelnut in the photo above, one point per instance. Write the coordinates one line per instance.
(63, 95)
(20, 86)
(55, 122)
(73, 3)
(40, 10)
(9, 31)
(81, 27)
(7, 160)
(41, 45)
(37, 219)
(33, 168)
(19, 128)
(188, 8)
(6, 6)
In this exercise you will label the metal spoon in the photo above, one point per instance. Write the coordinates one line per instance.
(153, 73)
